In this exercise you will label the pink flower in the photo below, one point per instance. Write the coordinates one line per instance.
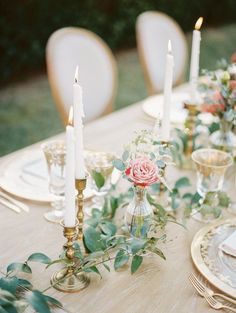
(216, 104)
(233, 58)
(142, 172)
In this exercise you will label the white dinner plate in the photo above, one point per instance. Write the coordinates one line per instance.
(25, 176)
(153, 106)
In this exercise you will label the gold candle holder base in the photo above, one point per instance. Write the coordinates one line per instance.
(65, 281)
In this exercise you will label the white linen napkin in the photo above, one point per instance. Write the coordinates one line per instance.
(229, 245)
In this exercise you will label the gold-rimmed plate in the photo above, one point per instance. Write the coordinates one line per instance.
(25, 176)
(216, 266)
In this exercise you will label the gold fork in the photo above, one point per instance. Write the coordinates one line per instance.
(204, 289)
(215, 304)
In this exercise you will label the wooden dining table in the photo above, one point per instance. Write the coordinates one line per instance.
(159, 286)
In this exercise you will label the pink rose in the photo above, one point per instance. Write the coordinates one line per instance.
(142, 172)
(216, 104)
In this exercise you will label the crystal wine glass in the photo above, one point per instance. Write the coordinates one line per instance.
(55, 155)
(100, 167)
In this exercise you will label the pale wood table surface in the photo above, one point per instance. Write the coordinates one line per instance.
(158, 286)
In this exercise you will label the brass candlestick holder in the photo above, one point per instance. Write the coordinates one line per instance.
(80, 185)
(190, 124)
(66, 279)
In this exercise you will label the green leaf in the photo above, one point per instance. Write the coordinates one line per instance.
(108, 228)
(37, 300)
(93, 240)
(39, 257)
(7, 295)
(20, 267)
(121, 259)
(137, 245)
(106, 267)
(182, 182)
(92, 269)
(119, 164)
(157, 251)
(24, 283)
(64, 261)
(160, 164)
(125, 155)
(98, 178)
(136, 262)
(52, 301)
(196, 197)
(8, 308)
(9, 284)
(2, 310)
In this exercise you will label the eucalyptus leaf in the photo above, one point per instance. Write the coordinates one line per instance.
(37, 300)
(121, 259)
(93, 240)
(137, 245)
(52, 301)
(182, 182)
(108, 228)
(106, 267)
(98, 178)
(24, 283)
(157, 251)
(20, 267)
(39, 257)
(9, 308)
(125, 155)
(136, 262)
(93, 269)
(119, 164)
(62, 260)
(9, 283)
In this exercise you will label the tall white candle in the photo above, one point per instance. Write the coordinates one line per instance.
(69, 219)
(194, 65)
(78, 125)
(165, 128)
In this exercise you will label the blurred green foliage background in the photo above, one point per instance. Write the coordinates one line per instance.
(26, 25)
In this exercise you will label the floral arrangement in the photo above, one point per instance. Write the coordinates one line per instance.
(144, 160)
(220, 92)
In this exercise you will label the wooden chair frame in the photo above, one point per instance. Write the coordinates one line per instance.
(51, 74)
(141, 50)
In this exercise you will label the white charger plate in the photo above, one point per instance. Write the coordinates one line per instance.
(153, 106)
(26, 177)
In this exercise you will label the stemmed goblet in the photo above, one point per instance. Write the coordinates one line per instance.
(55, 156)
(100, 167)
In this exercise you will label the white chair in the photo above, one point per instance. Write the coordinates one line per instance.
(153, 30)
(68, 47)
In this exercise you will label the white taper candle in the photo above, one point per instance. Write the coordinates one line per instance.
(78, 125)
(165, 128)
(70, 215)
(194, 65)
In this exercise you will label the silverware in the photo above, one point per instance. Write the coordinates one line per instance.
(217, 305)
(204, 289)
(19, 204)
(9, 205)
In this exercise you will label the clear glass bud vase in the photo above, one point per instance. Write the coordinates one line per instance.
(139, 213)
(224, 139)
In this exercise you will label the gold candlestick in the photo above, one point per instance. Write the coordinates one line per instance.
(80, 185)
(66, 279)
(190, 125)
